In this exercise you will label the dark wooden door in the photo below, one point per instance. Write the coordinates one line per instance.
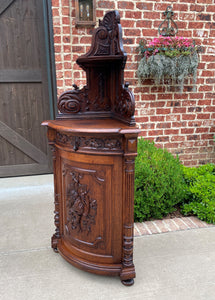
(27, 86)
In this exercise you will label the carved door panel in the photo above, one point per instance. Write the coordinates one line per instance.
(91, 211)
(26, 86)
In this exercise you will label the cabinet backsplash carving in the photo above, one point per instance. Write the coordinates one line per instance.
(89, 142)
(107, 37)
(81, 208)
(105, 91)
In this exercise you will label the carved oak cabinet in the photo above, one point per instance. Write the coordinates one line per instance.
(94, 144)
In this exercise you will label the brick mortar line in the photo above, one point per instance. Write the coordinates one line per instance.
(166, 225)
(193, 222)
(146, 227)
(184, 224)
(136, 227)
(175, 224)
(157, 227)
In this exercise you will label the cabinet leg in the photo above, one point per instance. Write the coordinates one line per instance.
(127, 275)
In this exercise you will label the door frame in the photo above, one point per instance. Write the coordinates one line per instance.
(50, 57)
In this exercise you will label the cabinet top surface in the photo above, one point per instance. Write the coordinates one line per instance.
(91, 126)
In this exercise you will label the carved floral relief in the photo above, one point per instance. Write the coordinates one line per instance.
(81, 208)
(89, 142)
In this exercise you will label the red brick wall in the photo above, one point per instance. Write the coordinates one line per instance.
(182, 123)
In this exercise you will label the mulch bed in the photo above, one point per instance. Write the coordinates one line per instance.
(174, 214)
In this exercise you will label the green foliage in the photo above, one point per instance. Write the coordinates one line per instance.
(200, 195)
(172, 53)
(175, 52)
(159, 183)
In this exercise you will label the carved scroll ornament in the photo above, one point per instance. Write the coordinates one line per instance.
(74, 101)
(126, 104)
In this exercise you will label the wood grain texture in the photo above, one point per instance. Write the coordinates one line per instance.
(20, 76)
(22, 144)
(4, 5)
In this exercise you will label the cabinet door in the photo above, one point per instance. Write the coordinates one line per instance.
(92, 206)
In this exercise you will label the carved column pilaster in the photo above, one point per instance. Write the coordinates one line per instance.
(56, 236)
(128, 270)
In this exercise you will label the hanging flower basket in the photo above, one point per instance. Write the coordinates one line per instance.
(168, 58)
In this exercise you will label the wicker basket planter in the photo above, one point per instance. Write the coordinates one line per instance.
(170, 59)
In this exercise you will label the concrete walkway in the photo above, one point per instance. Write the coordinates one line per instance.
(172, 266)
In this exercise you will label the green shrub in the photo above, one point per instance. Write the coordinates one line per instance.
(159, 183)
(200, 194)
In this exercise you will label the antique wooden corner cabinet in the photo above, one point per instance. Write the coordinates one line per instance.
(94, 144)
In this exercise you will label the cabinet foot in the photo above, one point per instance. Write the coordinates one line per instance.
(55, 250)
(128, 282)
